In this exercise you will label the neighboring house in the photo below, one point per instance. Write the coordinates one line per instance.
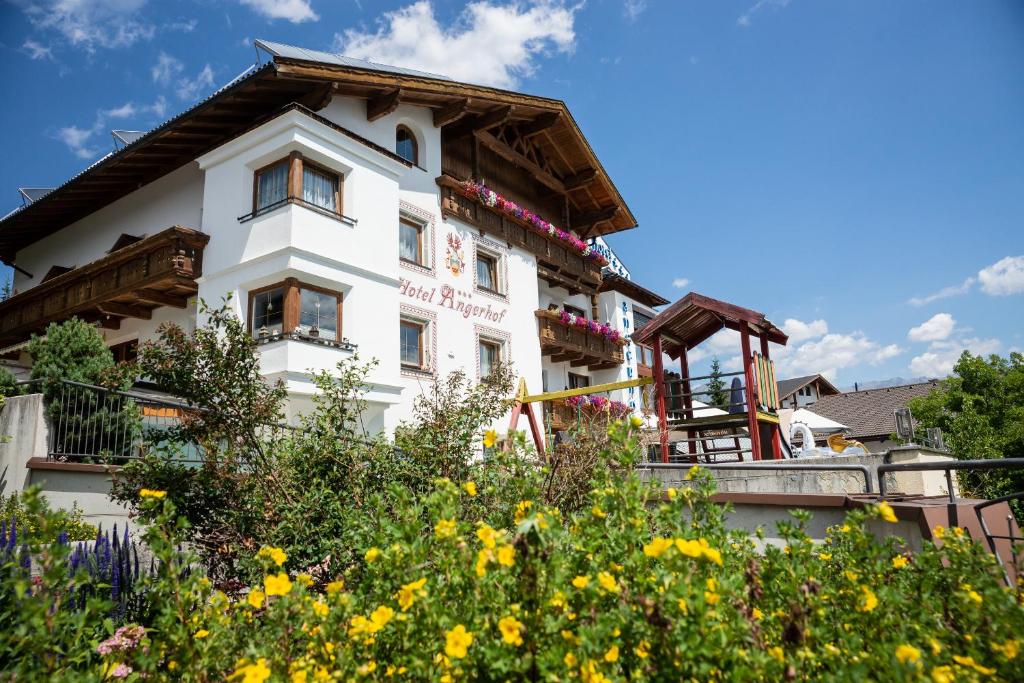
(803, 391)
(869, 414)
(331, 198)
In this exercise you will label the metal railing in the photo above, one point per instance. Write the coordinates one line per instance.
(773, 466)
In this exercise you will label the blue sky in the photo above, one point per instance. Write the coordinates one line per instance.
(855, 170)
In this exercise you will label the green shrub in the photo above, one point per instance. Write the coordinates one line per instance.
(13, 509)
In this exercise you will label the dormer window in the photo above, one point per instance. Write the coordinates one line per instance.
(405, 145)
(296, 180)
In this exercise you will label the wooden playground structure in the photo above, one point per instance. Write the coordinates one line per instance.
(748, 423)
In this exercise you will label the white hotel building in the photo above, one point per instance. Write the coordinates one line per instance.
(326, 196)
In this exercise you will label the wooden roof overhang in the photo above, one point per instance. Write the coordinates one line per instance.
(613, 282)
(130, 282)
(493, 117)
(696, 317)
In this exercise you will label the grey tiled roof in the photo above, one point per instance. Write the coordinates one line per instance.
(307, 55)
(870, 412)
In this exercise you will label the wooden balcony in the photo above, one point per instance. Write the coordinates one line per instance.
(557, 263)
(130, 282)
(563, 342)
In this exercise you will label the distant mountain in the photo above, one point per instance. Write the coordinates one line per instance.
(882, 383)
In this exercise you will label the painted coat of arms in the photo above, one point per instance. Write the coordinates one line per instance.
(455, 261)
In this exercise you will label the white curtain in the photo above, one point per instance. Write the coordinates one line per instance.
(273, 184)
(319, 188)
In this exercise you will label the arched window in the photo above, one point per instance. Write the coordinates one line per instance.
(405, 145)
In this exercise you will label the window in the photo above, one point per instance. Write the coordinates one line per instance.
(578, 381)
(292, 307)
(295, 180)
(645, 356)
(486, 272)
(640, 319)
(490, 356)
(267, 312)
(410, 241)
(578, 312)
(125, 351)
(412, 342)
(405, 145)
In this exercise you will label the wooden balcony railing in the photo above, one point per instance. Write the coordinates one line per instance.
(130, 282)
(557, 263)
(564, 342)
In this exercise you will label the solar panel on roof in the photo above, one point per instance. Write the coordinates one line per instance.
(123, 138)
(293, 52)
(31, 194)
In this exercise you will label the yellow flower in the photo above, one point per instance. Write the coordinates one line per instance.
(657, 547)
(899, 562)
(150, 493)
(251, 673)
(490, 438)
(320, 609)
(521, 509)
(711, 597)
(969, 661)
(256, 598)
(612, 655)
(688, 548)
(304, 579)
(368, 668)
(973, 595)
(939, 531)
(757, 614)
(635, 421)
(607, 582)
(570, 660)
(487, 536)
(445, 528)
(943, 674)
(776, 653)
(276, 555)
(380, 617)
(868, 600)
(671, 493)
(511, 630)
(844, 529)
(470, 488)
(581, 582)
(407, 594)
(335, 587)
(824, 557)
(277, 585)
(557, 600)
(299, 676)
(692, 472)
(1010, 649)
(457, 641)
(908, 654)
(371, 555)
(642, 649)
(935, 645)
(506, 556)
(201, 633)
(886, 512)
(598, 512)
(482, 558)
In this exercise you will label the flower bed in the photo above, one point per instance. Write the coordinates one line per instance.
(596, 403)
(493, 200)
(592, 326)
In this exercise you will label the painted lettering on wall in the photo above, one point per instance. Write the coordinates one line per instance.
(452, 299)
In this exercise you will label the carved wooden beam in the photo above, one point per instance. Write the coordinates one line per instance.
(510, 155)
(125, 310)
(382, 105)
(152, 296)
(540, 124)
(581, 179)
(480, 123)
(319, 98)
(451, 113)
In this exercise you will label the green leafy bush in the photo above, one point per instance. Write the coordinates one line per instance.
(13, 509)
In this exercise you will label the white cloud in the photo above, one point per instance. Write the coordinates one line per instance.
(91, 24)
(944, 293)
(183, 26)
(941, 356)
(166, 69)
(936, 328)
(295, 11)
(830, 354)
(745, 18)
(490, 44)
(799, 331)
(1003, 277)
(36, 50)
(680, 282)
(84, 142)
(633, 9)
(190, 88)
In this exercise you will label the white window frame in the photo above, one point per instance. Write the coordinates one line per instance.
(414, 214)
(499, 253)
(429, 322)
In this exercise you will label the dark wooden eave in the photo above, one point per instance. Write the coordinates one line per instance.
(613, 282)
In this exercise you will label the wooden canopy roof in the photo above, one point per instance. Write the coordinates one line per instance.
(571, 167)
(696, 317)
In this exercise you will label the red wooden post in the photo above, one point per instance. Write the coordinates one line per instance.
(776, 436)
(659, 397)
(684, 371)
(748, 381)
